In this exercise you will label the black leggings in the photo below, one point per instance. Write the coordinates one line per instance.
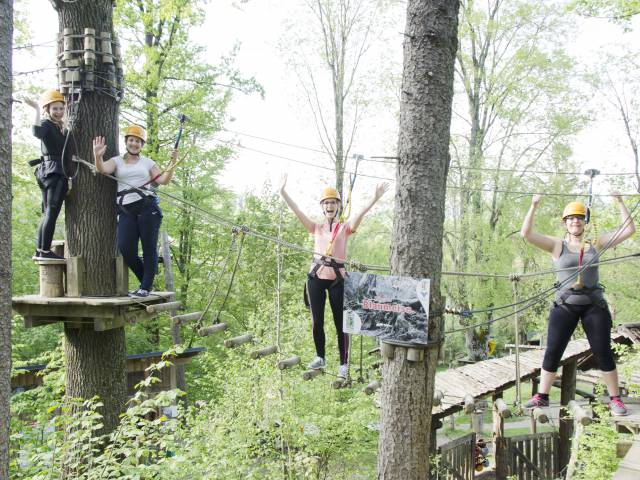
(317, 294)
(596, 322)
(139, 222)
(53, 193)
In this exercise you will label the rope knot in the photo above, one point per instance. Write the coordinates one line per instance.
(514, 277)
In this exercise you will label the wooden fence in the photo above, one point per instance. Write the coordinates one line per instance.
(532, 457)
(457, 459)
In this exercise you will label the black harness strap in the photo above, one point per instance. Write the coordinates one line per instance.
(592, 293)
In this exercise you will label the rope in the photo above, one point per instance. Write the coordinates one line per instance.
(535, 299)
(214, 294)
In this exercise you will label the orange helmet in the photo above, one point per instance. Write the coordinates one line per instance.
(574, 208)
(51, 96)
(328, 193)
(135, 131)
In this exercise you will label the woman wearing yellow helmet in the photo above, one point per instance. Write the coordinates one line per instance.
(51, 132)
(327, 271)
(139, 215)
(578, 301)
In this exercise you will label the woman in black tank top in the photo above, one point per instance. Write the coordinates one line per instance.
(579, 297)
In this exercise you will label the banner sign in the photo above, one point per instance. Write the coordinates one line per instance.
(395, 309)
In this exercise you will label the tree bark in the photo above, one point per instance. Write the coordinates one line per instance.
(6, 37)
(423, 149)
(95, 360)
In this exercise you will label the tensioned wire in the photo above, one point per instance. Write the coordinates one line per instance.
(537, 298)
(174, 200)
(528, 302)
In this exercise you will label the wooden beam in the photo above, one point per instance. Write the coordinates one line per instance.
(239, 340)
(372, 387)
(206, 331)
(163, 307)
(263, 352)
(437, 398)
(185, 318)
(309, 374)
(579, 414)
(469, 403)
(289, 362)
(122, 276)
(387, 350)
(75, 276)
(567, 393)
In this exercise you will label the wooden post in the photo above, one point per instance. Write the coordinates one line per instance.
(567, 393)
(435, 425)
(172, 307)
(499, 444)
(387, 350)
(51, 277)
(535, 384)
(75, 276)
(122, 277)
(580, 420)
(437, 398)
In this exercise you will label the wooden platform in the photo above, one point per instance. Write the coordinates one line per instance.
(493, 376)
(102, 313)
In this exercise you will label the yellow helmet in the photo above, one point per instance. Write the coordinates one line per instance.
(49, 97)
(574, 208)
(135, 131)
(329, 192)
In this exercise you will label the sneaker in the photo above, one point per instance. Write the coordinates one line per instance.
(343, 371)
(139, 293)
(618, 408)
(536, 401)
(48, 255)
(317, 363)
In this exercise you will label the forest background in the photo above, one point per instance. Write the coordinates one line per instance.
(537, 102)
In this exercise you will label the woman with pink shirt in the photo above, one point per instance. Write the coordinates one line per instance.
(327, 272)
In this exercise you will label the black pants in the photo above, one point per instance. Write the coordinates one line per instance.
(140, 222)
(596, 322)
(317, 294)
(54, 189)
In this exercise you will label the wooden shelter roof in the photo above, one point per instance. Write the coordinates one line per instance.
(493, 376)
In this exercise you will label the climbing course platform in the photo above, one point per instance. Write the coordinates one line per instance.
(101, 313)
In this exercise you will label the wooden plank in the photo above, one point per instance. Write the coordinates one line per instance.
(75, 276)
(122, 276)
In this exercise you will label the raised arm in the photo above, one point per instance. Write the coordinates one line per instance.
(36, 107)
(626, 229)
(163, 178)
(543, 242)
(308, 224)
(357, 219)
(99, 147)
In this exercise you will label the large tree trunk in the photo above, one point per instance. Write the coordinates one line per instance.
(423, 150)
(95, 360)
(6, 34)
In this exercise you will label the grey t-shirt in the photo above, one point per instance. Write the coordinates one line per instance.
(590, 275)
(132, 175)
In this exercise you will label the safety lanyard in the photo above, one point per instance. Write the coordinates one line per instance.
(329, 249)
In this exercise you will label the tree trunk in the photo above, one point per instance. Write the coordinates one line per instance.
(6, 36)
(423, 148)
(95, 360)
